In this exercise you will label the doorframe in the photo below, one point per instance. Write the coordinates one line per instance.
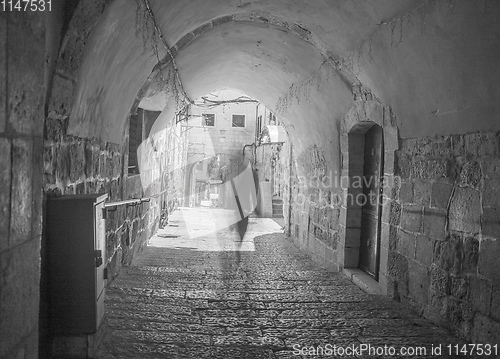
(357, 138)
(353, 130)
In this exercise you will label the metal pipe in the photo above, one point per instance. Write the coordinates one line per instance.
(250, 145)
(132, 201)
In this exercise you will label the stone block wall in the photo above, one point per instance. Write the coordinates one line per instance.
(75, 165)
(22, 39)
(314, 214)
(444, 238)
(306, 186)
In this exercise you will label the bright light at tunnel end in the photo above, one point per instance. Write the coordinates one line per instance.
(324, 189)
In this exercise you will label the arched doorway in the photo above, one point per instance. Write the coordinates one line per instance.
(371, 208)
(364, 200)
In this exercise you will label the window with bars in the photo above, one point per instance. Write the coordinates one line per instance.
(140, 125)
(209, 119)
(238, 121)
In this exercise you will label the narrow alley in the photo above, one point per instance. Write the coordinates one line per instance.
(249, 179)
(186, 297)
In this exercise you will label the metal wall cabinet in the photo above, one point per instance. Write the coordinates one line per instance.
(76, 246)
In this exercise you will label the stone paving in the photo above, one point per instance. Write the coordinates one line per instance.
(264, 299)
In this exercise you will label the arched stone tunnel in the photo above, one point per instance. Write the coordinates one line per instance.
(423, 72)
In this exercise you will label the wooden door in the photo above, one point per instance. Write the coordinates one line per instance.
(372, 208)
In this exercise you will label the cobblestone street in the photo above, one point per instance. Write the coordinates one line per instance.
(208, 296)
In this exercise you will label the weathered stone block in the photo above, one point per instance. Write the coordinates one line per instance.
(442, 146)
(435, 311)
(37, 188)
(430, 169)
(406, 244)
(222, 20)
(55, 129)
(389, 117)
(116, 162)
(77, 160)
(70, 189)
(423, 147)
(406, 192)
(49, 160)
(393, 237)
(458, 145)
(491, 167)
(459, 287)
(25, 73)
(439, 280)
(102, 164)
(22, 191)
(422, 192)
(424, 250)
(467, 311)
(480, 294)
(481, 144)
(418, 283)
(447, 254)
(89, 159)
(490, 193)
(333, 239)
(453, 311)
(20, 283)
(470, 174)
(488, 262)
(395, 216)
(485, 329)
(62, 96)
(3, 76)
(411, 218)
(63, 162)
(80, 188)
(111, 147)
(201, 29)
(391, 139)
(434, 223)
(404, 163)
(91, 186)
(470, 255)
(5, 178)
(465, 211)
(398, 267)
(440, 195)
(375, 112)
(109, 168)
(495, 305)
(96, 160)
(408, 146)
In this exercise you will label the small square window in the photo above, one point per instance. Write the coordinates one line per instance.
(209, 119)
(238, 121)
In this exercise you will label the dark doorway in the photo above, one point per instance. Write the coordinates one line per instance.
(372, 207)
